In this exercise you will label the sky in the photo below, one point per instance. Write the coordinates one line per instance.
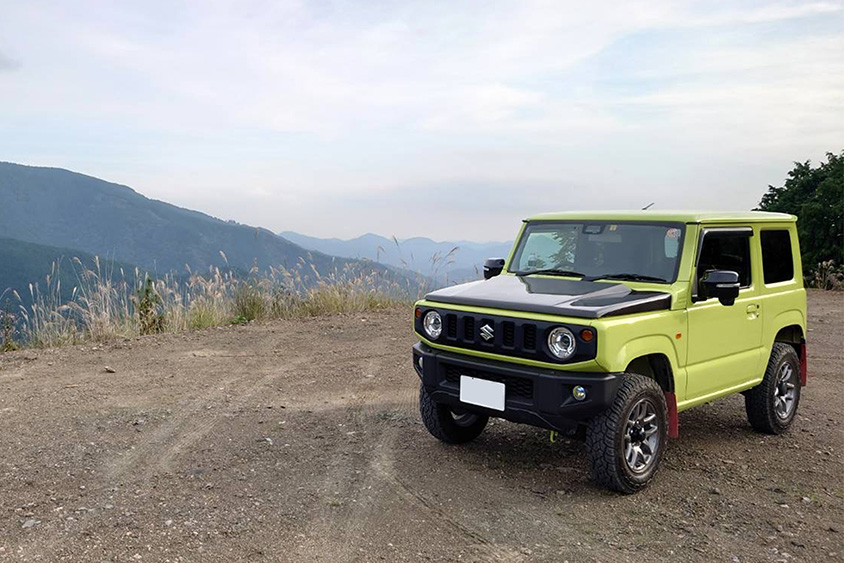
(451, 120)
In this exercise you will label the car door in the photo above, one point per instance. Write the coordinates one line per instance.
(725, 341)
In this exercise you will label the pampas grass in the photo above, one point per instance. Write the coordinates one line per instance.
(109, 305)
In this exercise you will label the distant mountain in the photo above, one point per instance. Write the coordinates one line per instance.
(55, 207)
(24, 263)
(460, 260)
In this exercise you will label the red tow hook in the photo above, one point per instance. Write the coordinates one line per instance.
(804, 366)
(673, 419)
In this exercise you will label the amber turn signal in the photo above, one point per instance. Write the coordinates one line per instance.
(418, 312)
(587, 335)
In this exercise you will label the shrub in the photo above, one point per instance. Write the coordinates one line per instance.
(7, 329)
(149, 304)
(827, 276)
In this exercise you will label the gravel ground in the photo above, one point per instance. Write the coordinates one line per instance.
(300, 441)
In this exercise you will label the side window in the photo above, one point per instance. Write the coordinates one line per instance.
(777, 260)
(727, 250)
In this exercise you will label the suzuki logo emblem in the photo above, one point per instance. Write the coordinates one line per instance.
(487, 332)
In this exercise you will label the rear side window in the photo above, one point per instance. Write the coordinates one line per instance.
(777, 260)
(727, 250)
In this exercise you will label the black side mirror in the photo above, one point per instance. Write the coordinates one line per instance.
(723, 284)
(493, 267)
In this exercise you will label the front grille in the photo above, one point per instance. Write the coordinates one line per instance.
(451, 325)
(511, 336)
(530, 337)
(515, 386)
(469, 329)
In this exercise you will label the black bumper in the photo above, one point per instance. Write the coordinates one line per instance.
(535, 396)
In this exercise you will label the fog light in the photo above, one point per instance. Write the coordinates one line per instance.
(579, 393)
(419, 362)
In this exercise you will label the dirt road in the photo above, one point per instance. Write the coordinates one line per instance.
(300, 441)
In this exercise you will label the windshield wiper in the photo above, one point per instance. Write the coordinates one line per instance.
(550, 272)
(625, 276)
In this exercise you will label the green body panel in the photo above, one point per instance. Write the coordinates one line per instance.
(714, 350)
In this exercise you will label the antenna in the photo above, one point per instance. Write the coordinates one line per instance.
(648, 206)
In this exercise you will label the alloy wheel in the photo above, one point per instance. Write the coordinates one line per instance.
(641, 436)
(784, 391)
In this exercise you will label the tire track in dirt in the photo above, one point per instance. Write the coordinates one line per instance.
(369, 500)
(189, 419)
(383, 465)
(156, 452)
(347, 499)
(194, 428)
(197, 421)
(131, 462)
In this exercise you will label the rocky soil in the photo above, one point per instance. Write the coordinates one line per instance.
(300, 441)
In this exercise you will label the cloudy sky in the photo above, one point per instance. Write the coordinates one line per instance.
(446, 119)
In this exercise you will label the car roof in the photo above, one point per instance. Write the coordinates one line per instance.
(668, 216)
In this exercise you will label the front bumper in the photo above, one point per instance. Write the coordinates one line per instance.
(535, 396)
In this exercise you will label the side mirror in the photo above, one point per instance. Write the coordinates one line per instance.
(723, 284)
(493, 267)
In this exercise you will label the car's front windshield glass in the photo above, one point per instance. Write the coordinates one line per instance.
(634, 251)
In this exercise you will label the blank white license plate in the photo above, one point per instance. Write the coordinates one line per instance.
(489, 394)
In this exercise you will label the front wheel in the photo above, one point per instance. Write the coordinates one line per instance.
(452, 426)
(625, 442)
(772, 404)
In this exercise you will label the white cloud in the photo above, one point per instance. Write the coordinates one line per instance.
(269, 112)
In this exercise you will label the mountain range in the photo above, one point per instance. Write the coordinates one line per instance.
(52, 215)
(55, 207)
(447, 261)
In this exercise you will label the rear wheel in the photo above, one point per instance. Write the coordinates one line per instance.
(450, 425)
(625, 442)
(772, 405)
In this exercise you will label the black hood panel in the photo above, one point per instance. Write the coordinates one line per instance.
(555, 296)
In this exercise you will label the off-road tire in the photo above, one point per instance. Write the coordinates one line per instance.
(605, 436)
(440, 421)
(759, 401)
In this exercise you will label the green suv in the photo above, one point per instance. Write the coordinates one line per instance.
(606, 325)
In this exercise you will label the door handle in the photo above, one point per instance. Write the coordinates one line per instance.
(752, 311)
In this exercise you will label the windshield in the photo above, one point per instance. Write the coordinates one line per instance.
(647, 251)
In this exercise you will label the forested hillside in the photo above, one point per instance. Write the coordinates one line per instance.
(56, 207)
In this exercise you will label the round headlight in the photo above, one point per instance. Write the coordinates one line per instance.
(433, 324)
(561, 343)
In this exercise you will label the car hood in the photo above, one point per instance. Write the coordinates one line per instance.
(556, 296)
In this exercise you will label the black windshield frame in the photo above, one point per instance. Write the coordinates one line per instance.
(545, 224)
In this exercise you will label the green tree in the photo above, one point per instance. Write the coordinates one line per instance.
(7, 329)
(150, 314)
(816, 196)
